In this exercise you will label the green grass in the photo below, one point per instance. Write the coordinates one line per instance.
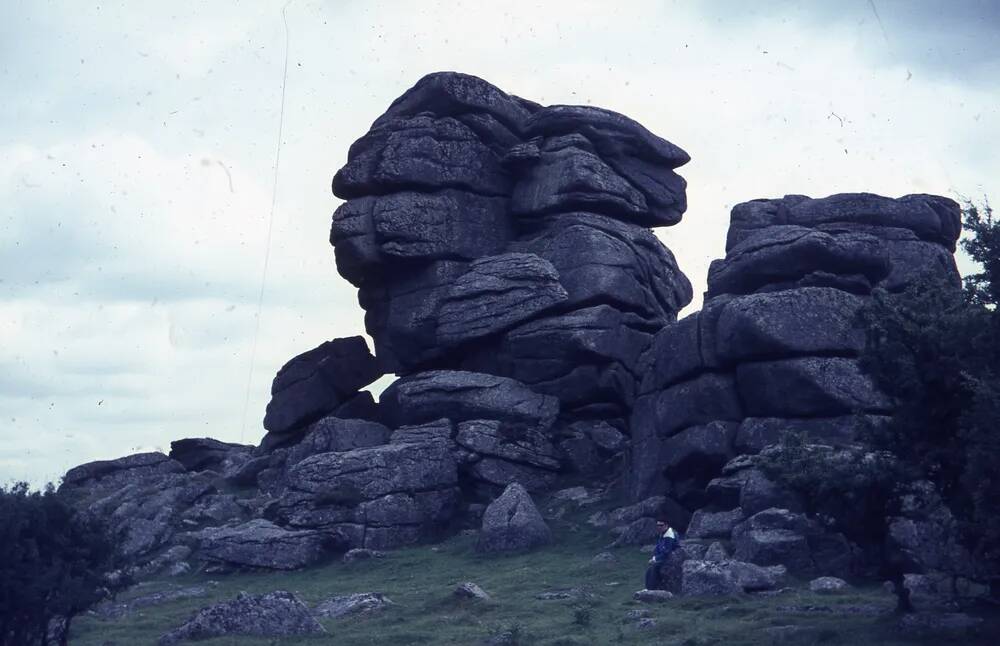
(420, 581)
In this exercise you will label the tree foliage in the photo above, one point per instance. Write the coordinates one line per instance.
(53, 563)
(935, 350)
(851, 488)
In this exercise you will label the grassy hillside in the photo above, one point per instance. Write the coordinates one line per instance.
(420, 581)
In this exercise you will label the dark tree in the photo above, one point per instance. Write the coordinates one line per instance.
(53, 565)
(936, 351)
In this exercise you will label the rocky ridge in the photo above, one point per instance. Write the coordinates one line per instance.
(502, 252)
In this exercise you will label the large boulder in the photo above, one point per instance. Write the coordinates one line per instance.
(512, 523)
(705, 578)
(774, 537)
(261, 544)
(378, 497)
(370, 473)
(797, 322)
(699, 449)
(714, 524)
(786, 254)
(314, 383)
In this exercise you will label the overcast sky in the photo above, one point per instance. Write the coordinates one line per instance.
(138, 144)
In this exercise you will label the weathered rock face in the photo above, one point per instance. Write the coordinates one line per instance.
(489, 234)
(775, 347)
(143, 498)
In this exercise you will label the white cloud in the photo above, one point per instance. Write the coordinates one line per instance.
(136, 153)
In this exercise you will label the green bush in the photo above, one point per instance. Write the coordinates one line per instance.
(936, 351)
(52, 565)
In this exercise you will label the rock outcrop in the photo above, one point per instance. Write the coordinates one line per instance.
(275, 614)
(490, 234)
(503, 255)
(775, 347)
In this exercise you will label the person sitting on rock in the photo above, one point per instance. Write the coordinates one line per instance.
(665, 544)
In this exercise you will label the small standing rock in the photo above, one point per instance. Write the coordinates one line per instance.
(652, 596)
(512, 523)
(828, 585)
(470, 590)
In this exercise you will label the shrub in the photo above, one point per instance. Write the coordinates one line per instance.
(52, 565)
(936, 351)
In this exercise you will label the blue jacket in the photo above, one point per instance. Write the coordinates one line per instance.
(665, 545)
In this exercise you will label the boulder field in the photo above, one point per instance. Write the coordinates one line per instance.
(503, 254)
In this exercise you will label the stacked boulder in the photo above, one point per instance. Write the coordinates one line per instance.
(775, 347)
(488, 234)
(503, 256)
(775, 350)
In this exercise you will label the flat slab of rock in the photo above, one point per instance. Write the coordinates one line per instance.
(361, 603)
(512, 523)
(497, 293)
(702, 578)
(461, 396)
(369, 473)
(261, 544)
(275, 614)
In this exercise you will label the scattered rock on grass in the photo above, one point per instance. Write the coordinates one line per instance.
(828, 585)
(362, 554)
(470, 590)
(652, 596)
(575, 594)
(604, 558)
(274, 614)
(361, 603)
(645, 624)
